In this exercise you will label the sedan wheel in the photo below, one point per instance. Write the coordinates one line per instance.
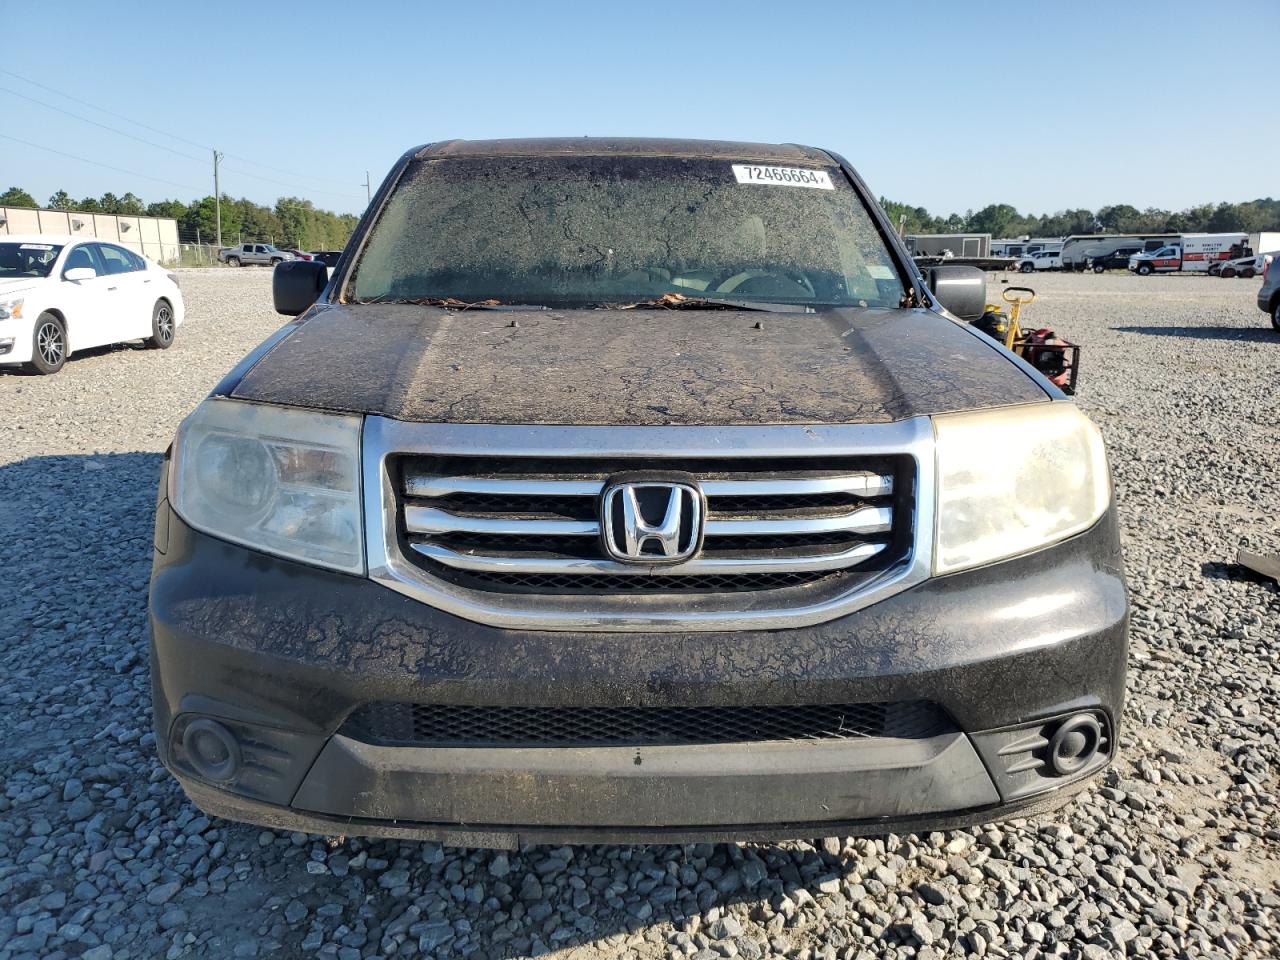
(1275, 314)
(162, 326)
(49, 344)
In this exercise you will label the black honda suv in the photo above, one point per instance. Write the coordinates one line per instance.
(633, 490)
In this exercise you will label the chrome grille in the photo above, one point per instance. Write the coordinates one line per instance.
(531, 525)
(790, 573)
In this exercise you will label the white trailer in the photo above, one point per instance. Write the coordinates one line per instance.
(1189, 253)
(1267, 243)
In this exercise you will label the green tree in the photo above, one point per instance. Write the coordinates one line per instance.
(201, 217)
(995, 219)
(175, 209)
(1120, 218)
(89, 205)
(131, 206)
(61, 201)
(17, 197)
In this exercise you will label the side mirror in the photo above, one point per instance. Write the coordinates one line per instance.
(76, 274)
(297, 284)
(961, 290)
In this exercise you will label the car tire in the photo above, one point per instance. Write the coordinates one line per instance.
(48, 344)
(1275, 313)
(1144, 269)
(233, 261)
(1248, 273)
(1026, 268)
(1098, 268)
(1227, 272)
(276, 261)
(163, 326)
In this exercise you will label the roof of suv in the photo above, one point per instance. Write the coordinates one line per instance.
(625, 146)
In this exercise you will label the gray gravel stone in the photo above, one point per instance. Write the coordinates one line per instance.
(1171, 855)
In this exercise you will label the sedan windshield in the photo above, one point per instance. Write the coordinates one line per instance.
(615, 230)
(27, 259)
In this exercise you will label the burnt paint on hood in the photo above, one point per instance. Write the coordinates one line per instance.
(642, 367)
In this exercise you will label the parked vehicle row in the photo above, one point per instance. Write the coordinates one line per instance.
(59, 295)
(263, 254)
(1218, 254)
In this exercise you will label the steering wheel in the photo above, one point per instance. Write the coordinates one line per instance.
(732, 282)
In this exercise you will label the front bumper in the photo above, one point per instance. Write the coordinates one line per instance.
(281, 654)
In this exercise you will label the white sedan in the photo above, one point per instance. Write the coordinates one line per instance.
(61, 294)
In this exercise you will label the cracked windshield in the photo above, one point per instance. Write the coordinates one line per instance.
(624, 231)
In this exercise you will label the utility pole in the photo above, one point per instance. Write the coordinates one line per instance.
(217, 195)
(368, 193)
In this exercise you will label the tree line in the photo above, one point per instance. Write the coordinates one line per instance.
(1004, 221)
(292, 222)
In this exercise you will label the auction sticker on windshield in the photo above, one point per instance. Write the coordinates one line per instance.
(782, 176)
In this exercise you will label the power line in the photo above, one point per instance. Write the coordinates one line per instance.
(163, 133)
(149, 143)
(267, 166)
(98, 163)
(118, 116)
(295, 185)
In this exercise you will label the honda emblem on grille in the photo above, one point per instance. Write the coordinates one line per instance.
(651, 519)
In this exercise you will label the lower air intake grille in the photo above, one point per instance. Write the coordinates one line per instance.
(441, 725)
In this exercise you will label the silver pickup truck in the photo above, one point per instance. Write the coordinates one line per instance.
(246, 253)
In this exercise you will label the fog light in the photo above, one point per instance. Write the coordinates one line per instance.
(6, 345)
(1074, 744)
(211, 749)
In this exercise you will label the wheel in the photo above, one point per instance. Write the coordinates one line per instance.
(1248, 273)
(162, 326)
(1227, 272)
(1098, 268)
(48, 344)
(276, 261)
(1026, 268)
(1144, 269)
(233, 261)
(1275, 313)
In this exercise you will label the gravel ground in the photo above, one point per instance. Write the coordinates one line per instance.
(1174, 854)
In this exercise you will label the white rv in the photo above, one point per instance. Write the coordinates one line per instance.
(1079, 248)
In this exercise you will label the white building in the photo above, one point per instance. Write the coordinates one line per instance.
(154, 237)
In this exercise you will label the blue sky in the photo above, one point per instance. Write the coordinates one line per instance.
(1044, 106)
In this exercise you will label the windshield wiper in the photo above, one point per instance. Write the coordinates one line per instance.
(451, 302)
(678, 301)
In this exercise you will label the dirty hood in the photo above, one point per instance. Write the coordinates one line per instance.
(645, 367)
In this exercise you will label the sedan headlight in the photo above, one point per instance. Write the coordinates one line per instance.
(276, 479)
(1013, 480)
(10, 308)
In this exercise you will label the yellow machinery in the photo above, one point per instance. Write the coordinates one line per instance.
(1056, 358)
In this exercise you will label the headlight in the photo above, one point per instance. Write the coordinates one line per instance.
(275, 479)
(10, 308)
(1014, 480)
